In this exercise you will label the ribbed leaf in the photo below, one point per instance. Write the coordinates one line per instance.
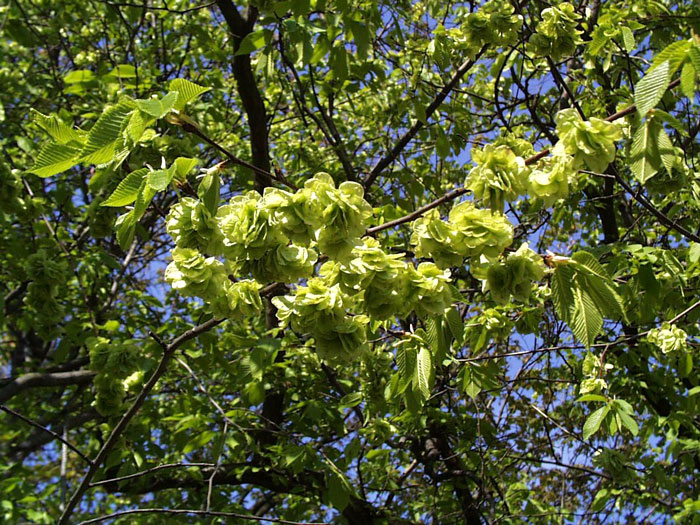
(182, 166)
(159, 179)
(138, 122)
(158, 108)
(694, 55)
(54, 158)
(562, 294)
(143, 199)
(209, 191)
(666, 150)
(688, 80)
(424, 369)
(604, 295)
(58, 130)
(628, 39)
(594, 421)
(126, 227)
(456, 325)
(127, 190)
(644, 158)
(586, 319)
(406, 360)
(590, 264)
(651, 88)
(105, 138)
(674, 54)
(187, 91)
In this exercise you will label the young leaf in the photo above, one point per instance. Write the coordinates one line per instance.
(628, 39)
(651, 88)
(209, 191)
(187, 92)
(53, 159)
(58, 130)
(688, 80)
(562, 295)
(159, 179)
(127, 190)
(252, 42)
(455, 324)
(586, 319)
(644, 158)
(102, 141)
(158, 108)
(126, 226)
(666, 150)
(424, 369)
(594, 421)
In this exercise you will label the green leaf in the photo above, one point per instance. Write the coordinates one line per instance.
(251, 42)
(143, 199)
(158, 108)
(562, 294)
(53, 159)
(158, 180)
(406, 360)
(594, 421)
(124, 71)
(338, 495)
(628, 422)
(666, 150)
(187, 92)
(586, 319)
(591, 397)
(105, 137)
(688, 80)
(644, 158)
(455, 324)
(674, 54)
(424, 369)
(80, 76)
(127, 190)
(182, 166)
(628, 39)
(126, 227)
(209, 191)
(651, 88)
(694, 56)
(58, 130)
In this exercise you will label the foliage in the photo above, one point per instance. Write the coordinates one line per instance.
(349, 262)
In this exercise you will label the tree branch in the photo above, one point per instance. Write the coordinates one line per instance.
(37, 380)
(413, 130)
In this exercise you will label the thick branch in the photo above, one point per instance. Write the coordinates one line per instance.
(35, 380)
(253, 103)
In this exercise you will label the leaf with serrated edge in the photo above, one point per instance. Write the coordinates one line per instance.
(688, 80)
(424, 368)
(186, 90)
(53, 159)
(127, 190)
(644, 161)
(594, 421)
(651, 88)
(666, 150)
(586, 319)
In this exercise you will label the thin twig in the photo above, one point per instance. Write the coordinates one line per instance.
(197, 513)
(44, 429)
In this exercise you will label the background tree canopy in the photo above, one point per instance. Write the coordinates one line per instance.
(347, 261)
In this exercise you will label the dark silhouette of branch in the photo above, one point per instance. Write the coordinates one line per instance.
(413, 130)
(46, 430)
(36, 380)
(197, 513)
